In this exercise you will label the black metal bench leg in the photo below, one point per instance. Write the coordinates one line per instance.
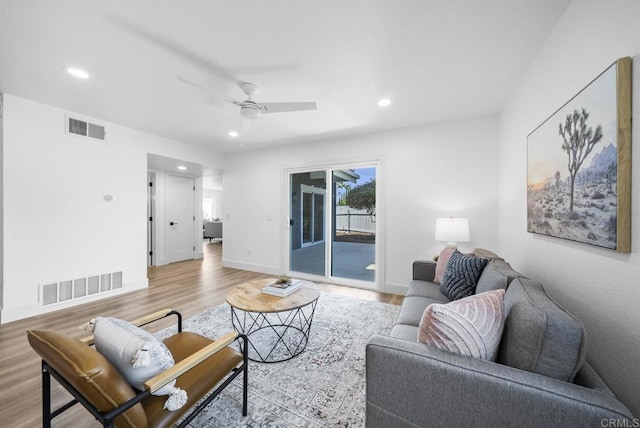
(244, 391)
(46, 398)
(245, 376)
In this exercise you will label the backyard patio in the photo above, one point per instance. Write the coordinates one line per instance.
(353, 260)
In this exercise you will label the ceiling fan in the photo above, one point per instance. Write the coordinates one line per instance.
(249, 109)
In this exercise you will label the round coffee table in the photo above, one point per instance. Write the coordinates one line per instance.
(277, 327)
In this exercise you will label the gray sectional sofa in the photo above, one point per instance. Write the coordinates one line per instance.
(540, 378)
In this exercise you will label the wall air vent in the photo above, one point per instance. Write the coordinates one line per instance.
(84, 128)
(62, 291)
(96, 131)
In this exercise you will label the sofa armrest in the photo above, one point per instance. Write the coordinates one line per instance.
(424, 270)
(410, 384)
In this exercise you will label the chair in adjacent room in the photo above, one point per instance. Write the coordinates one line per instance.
(213, 230)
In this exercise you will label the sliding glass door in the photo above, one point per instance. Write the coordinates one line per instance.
(332, 224)
(353, 249)
(307, 222)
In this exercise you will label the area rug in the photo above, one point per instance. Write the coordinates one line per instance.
(324, 386)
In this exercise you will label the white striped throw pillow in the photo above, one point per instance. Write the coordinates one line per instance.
(469, 326)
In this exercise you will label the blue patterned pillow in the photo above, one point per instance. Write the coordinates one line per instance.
(461, 275)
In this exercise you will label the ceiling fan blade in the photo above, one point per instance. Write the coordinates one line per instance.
(196, 85)
(284, 107)
(267, 68)
(213, 93)
(176, 49)
(198, 59)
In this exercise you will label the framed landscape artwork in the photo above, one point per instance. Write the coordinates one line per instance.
(579, 165)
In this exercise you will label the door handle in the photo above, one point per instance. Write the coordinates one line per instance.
(173, 223)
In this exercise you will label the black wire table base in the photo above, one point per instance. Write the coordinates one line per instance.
(275, 336)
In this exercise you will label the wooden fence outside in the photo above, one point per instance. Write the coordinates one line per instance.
(352, 220)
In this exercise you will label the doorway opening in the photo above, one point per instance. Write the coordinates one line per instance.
(174, 218)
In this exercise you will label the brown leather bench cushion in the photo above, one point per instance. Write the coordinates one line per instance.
(198, 381)
(90, 373)
(101, 383)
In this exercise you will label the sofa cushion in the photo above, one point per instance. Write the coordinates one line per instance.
(427, 289)
(471, 326)
(403, 331)
(496, 275)
(424, 270)
(540, 336)
(485, 254)
(441, 264)
(461, 275)
(412, 309)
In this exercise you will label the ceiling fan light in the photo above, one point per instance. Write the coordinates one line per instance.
(384, 102)
(250, 111)
(233, 134)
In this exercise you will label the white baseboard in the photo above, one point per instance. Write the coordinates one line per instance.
(15, 314)
(271, 270)
(395, 288)
(164, 261)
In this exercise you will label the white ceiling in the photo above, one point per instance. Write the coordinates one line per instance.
(437, 60)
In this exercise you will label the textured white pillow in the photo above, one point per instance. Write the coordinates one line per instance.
(138, 355)
(469, 326)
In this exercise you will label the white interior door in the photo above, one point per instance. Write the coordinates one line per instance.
(179, 218)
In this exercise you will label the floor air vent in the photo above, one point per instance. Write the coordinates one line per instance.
(63, 291)
(85, 129)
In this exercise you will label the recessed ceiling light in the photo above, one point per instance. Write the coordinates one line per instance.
(182, 168)
(383, 102)
(81, 74)
(233, 134)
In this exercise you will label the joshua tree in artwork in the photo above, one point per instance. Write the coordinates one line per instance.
(611, 172)
(579, 140)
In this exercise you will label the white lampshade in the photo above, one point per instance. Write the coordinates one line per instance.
(452, 230)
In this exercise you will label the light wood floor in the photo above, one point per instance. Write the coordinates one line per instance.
(190, 287)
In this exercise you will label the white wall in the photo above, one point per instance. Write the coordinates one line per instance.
(57, 225)
(426, 172)
(599, 286)
(217, 196)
